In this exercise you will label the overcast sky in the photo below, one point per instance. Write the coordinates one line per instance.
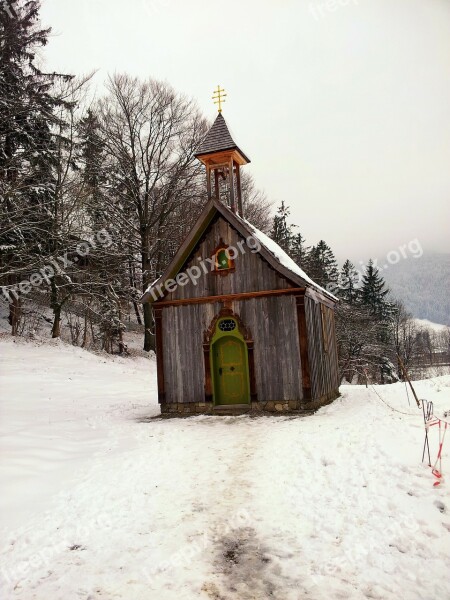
(342, 105)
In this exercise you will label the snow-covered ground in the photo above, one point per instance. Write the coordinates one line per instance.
(98, 503)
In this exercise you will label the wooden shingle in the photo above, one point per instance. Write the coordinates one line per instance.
(218, 139)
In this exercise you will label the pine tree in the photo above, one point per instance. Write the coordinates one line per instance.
(348, 283)
(299, 251)
(111, 326)
(28, 147)
(281, 232)
(93, 163)
(322, 266)
(374, 299)
(374, 291)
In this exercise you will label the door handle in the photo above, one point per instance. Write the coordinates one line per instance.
(220, 370)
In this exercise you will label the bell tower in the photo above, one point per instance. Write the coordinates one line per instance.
(223, 159)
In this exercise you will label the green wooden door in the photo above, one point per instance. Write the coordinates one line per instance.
(230, 367)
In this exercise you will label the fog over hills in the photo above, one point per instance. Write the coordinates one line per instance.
(423, 284)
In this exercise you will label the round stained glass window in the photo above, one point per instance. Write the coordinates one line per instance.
(227, 325)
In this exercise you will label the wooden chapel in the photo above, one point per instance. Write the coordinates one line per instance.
(240, 327)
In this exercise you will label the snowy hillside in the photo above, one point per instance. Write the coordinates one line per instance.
(425, 324)
(423, 285)
(99, 502)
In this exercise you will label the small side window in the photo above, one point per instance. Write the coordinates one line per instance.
(222, 260)
(223, 263)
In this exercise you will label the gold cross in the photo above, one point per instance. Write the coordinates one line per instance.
(219, 97)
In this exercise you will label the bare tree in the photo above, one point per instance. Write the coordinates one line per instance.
(358, 339)
(150, 133)
(257, 207)
(404, 335)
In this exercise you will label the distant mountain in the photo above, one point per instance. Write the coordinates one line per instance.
(423, 284)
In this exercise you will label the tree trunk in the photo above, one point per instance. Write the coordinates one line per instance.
(120, 342)
(399, 368)
(133, 284)
(14, 305)
(149, 341)
(85, 331)
(56, 306)
(92, 331)
(138, 314)
(14, 315)
(56, 329)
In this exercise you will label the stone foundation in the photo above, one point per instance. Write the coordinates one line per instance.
(253, 408)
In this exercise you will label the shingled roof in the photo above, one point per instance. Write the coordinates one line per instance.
(218, 139)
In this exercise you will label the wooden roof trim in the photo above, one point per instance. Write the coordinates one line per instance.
(217, 157)
(185, 250)
(229, 297)
(318, 296)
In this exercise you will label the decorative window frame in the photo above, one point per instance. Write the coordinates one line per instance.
(228, 313)
(231, 268)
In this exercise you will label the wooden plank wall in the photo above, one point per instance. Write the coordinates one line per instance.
(272, 322)
(322, 349)
(184, 368)
(252, 273)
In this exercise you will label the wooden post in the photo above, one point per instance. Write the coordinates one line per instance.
(239, 191)
(208, 181)
(216, 184)
(251, 368)
(303, 341)
(231, 184)
(208, 379)
(159, 356)
(405, 373)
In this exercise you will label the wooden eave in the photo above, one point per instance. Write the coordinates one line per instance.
(230, 297)
(215, 159)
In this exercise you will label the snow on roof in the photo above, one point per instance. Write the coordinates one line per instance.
(147, 291)
(283, 258)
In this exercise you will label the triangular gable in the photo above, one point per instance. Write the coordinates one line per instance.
(270, 251)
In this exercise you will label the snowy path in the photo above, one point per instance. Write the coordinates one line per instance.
(227, 508)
